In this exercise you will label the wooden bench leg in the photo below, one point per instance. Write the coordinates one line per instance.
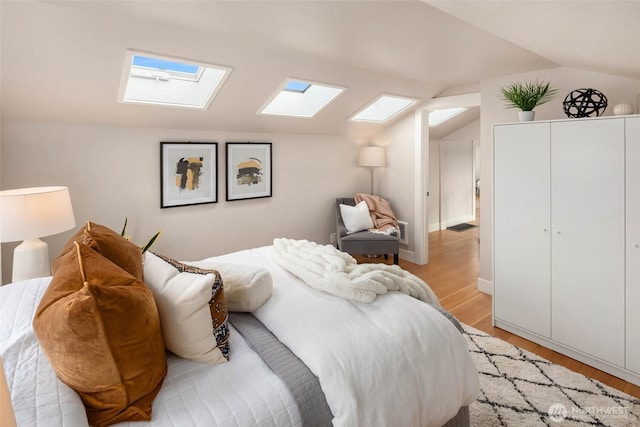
(395, 259)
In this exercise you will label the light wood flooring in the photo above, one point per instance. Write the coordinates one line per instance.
(452, 273)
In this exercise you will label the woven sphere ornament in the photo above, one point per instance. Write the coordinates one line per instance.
(585, 103)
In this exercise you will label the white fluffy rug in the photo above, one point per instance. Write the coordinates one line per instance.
(519, 388)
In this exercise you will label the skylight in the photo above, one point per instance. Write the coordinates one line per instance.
(301, 99)
(437, 117)
(296, 86)
(159, 80)
(383, 108)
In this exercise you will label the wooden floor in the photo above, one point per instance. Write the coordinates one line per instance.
(452, 273)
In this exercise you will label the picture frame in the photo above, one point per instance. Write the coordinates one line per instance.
(249, 170)
(188, 173)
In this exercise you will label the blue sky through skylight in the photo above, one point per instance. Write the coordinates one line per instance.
(161, 64)
(296, 86)
(168, 81)
(301, 99)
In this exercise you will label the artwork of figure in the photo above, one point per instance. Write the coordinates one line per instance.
(249, 171)
(188, 172)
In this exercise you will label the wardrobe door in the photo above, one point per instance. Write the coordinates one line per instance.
(521, 224)
(633, 244)
(588, 237)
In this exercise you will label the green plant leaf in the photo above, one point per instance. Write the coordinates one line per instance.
(151, 241)
(124, 229)
(528, 95)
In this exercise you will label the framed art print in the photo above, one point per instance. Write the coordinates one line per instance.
(248, 170)
(189, 173)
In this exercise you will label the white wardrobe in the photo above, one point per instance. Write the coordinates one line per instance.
(567, 238)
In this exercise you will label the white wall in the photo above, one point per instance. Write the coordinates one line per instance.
(433, 213)
(451, 177)
(396, 181)
(616, 89)
(457, 175)
(113, 173)
(456, 182)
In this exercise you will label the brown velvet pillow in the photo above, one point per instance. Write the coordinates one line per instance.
(99, 327)
(110, 244)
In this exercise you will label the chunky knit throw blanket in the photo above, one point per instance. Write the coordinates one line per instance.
(327, 269)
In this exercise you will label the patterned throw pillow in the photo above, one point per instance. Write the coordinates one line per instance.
(184, 294)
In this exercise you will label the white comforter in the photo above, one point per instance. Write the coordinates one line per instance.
(394, 362)
(242, 392)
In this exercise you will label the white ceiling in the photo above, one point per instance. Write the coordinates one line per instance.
(62, 60)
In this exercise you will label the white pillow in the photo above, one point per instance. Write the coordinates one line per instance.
(356, 218)
(183, 305)
(246, 287)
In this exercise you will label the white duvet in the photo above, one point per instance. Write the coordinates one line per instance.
(242, 392)
(394, 362)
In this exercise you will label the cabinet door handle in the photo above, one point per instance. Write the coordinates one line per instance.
(558, 232)
(636, 245)
(545, 230)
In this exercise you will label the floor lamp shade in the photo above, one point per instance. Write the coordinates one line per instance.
(28, 214)
(372, 157)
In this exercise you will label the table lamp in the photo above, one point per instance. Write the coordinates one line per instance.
(372, 157)
(28, 214)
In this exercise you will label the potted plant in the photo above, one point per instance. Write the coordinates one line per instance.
(527, 96)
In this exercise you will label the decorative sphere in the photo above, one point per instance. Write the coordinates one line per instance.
(585, 103)
(623, 109)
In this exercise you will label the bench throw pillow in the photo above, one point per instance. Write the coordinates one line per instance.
(356, 218)
(109, 244)
(246, 287)
(192, 308)
(99, 327)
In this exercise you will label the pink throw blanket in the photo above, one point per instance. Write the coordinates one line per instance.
(381, 214)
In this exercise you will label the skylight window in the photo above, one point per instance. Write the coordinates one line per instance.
(158, 80)
(301, 99)
(296, 86)
(437, 117)
(161, 64)
(383, 108)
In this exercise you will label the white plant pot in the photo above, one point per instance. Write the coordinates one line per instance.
(526, 116)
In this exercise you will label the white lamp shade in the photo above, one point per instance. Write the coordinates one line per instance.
(372, 156)
(30, 213)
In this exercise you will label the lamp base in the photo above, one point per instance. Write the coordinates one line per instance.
(31, 260)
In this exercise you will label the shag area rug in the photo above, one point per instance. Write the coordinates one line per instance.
(519, 388)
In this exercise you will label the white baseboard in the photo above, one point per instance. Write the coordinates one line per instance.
(434, 227)
(485, 286)
(407, 255)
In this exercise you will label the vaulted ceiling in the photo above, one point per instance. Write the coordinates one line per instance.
(62, 61)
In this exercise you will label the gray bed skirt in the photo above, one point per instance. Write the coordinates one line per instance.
(303, 384)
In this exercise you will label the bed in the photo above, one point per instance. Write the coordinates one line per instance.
(304, 358)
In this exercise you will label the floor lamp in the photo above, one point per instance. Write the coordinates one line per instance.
(28, 214)
(372, 157)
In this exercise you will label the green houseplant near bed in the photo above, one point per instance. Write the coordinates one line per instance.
(527, 96)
